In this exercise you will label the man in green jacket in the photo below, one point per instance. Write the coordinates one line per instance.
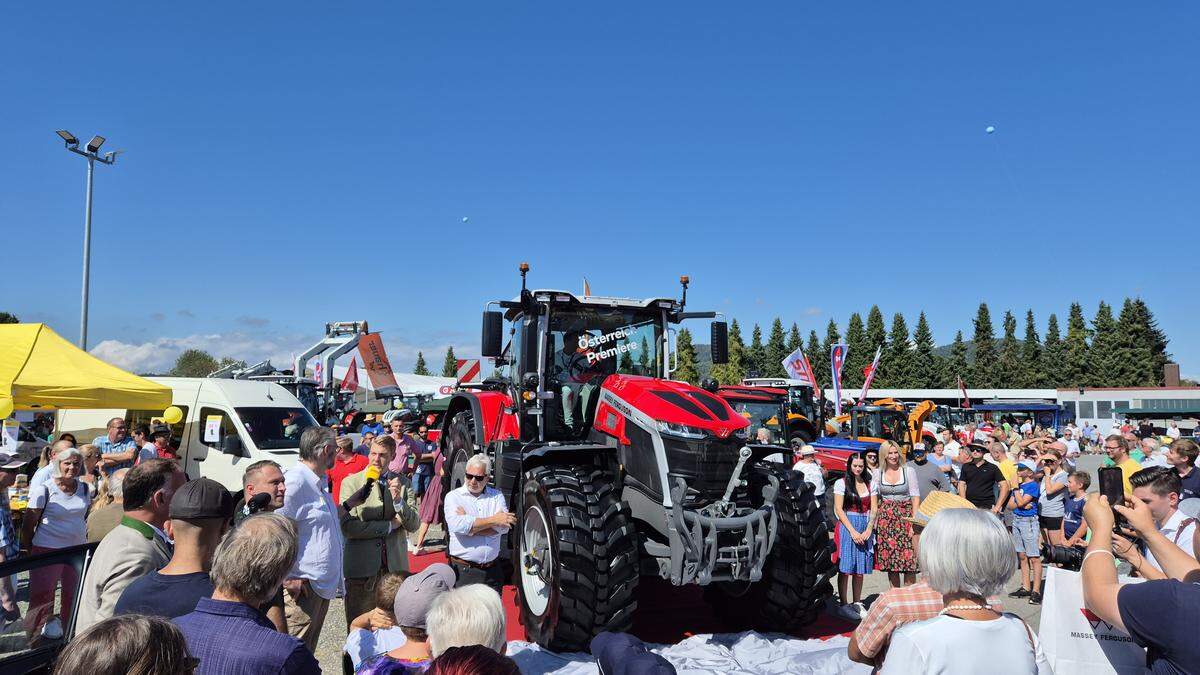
(376, 532)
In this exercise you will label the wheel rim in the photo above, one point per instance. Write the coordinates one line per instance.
(537, 561)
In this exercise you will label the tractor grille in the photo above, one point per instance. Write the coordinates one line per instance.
(705, 464)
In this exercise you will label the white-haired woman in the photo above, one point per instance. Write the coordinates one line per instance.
(966, 555)
(55, 518)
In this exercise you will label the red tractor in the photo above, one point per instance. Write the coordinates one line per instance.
(616, 471)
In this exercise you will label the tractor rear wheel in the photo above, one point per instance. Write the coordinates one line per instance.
(576, 557)
(460, 445)
(795, 581)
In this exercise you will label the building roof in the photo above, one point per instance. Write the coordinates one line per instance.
(1157, 411)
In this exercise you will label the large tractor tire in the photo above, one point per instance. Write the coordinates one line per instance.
(795, 582)
(576, 557)
(460, 445)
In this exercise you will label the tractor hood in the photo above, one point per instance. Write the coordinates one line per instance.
(672, 402)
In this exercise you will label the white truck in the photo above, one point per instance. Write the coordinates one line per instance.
(227, 425)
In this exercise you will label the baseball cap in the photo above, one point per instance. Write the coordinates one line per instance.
(159, 429)
(13, 460)
(918, 447)
(202, 498)
(807, 450)
(1028, 466)
(418, 592)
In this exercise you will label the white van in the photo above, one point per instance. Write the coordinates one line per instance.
(227, 425)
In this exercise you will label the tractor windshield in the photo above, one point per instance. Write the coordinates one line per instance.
(886, 424)
(762, 415)
(586, 343)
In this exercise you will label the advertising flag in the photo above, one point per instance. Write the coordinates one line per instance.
(379, 370)
(869, 374)
(350, 382)
(966, 400)
(797, 367)
(837, 359)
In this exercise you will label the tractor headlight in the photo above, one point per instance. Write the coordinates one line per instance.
(681, 430)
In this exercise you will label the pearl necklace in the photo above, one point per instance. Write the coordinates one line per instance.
(951, 608)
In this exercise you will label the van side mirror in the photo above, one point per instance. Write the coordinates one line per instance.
(231, 444)
(719, 344)
(493, 334)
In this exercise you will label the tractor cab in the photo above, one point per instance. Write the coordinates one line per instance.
(879, 423)
(784, 407)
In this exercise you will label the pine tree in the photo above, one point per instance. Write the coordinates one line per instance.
(1009, 373)
(813, 352)
(756, 355)
(1134, 358)
(450, 365)
(1159, 357)
(957, 365)
(985, 371)
(926, 371)
(820, 361)
(1103, 363)
(859, 355)
(876, 332)
(1053, 354)
(777, 351)
(644, 359)
(1031, 355)
(794, 340)
(895, 365)
(686, 353)
(1075, 350)
(421, 368)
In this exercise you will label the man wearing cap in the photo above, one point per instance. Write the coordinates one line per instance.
(806, 463)
(10, 544)
(1025, 532)
(137, 546)
(161, 435)
(413, 600)
(930, 476)
(200, 514)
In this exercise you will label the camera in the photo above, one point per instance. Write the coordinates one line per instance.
(1066, 557)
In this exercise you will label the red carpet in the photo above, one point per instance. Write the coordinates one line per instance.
(666, 614)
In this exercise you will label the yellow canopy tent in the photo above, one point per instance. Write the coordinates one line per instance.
(40, 370)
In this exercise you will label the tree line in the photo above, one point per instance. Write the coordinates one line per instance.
(1128, 350)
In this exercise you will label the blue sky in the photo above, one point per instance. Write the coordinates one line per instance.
(292, 164)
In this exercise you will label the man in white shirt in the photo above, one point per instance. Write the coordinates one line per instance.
(1069, 442)
(476, 517)
(1173, 430)
(806, 464)
(316, 577)
(1158, 488)
(952, 448)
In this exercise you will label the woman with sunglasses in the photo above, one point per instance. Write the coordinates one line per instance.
(872, 461)
(1052, 502)
(854, 505)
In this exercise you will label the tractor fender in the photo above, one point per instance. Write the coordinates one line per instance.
(491, 412)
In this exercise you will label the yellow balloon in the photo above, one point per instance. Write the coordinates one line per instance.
(172, 415)
(6, 407)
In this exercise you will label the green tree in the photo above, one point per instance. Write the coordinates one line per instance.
(756, 355)
(644, 357)
(5, 317)
(985, 371)
(794, 340)
(1135, 361)
(1103, 363)
(927, 372)
(421, 368)
(1031, 355)
(450, 365)
(1156, 337)
(776, 351)
(896, 363)
(194, 363)
(1009, 372)
(813, 352)
(1053, 354)
(686, 353)
(1074, 367)
(957, 365)
(227, 361)
(859, 355)
(820, 360)
(876, 332)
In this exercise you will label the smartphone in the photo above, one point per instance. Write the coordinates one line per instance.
(1112, 485)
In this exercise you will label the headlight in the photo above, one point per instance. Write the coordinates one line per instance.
(681, 430)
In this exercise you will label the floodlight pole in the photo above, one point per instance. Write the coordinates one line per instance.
(92, 157)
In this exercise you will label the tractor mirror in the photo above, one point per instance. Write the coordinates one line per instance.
(493, 334)
(720, 342)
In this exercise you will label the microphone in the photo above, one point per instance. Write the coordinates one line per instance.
(258, 502)
(372, 476)
(361, 495)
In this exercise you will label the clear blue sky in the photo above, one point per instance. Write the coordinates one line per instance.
(296, 163)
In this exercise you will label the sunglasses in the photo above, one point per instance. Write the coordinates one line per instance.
(471, 476)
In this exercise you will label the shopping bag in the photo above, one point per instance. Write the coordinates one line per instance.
(1075, 640)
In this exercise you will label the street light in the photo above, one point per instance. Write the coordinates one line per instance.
(91, 153)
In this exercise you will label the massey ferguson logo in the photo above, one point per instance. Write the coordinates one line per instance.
(1095, 621)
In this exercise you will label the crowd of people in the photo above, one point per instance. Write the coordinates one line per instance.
(188, 577)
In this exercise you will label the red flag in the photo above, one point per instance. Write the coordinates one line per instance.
(350, 381)
(966, 401)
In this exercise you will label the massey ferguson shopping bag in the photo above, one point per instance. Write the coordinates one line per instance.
(1075, 640)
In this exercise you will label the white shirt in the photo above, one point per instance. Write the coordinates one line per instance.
(64, 517)
(1072, 446)
(1171, 531)
(476, 548)
(952, 450)
(148, 451)
(1026, 428)
(948, 645)
(320, 547)
(812, 474)
(40, 476)
(1173, 432)
(362, 644)
(1157, 459)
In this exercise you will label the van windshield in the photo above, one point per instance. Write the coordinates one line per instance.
(275, 428)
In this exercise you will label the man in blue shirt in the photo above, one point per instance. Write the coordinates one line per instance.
(1025, 533)
(226, 632)
(117, 449)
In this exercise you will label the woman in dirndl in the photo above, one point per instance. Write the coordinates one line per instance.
(899, 496)
(854, 506)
